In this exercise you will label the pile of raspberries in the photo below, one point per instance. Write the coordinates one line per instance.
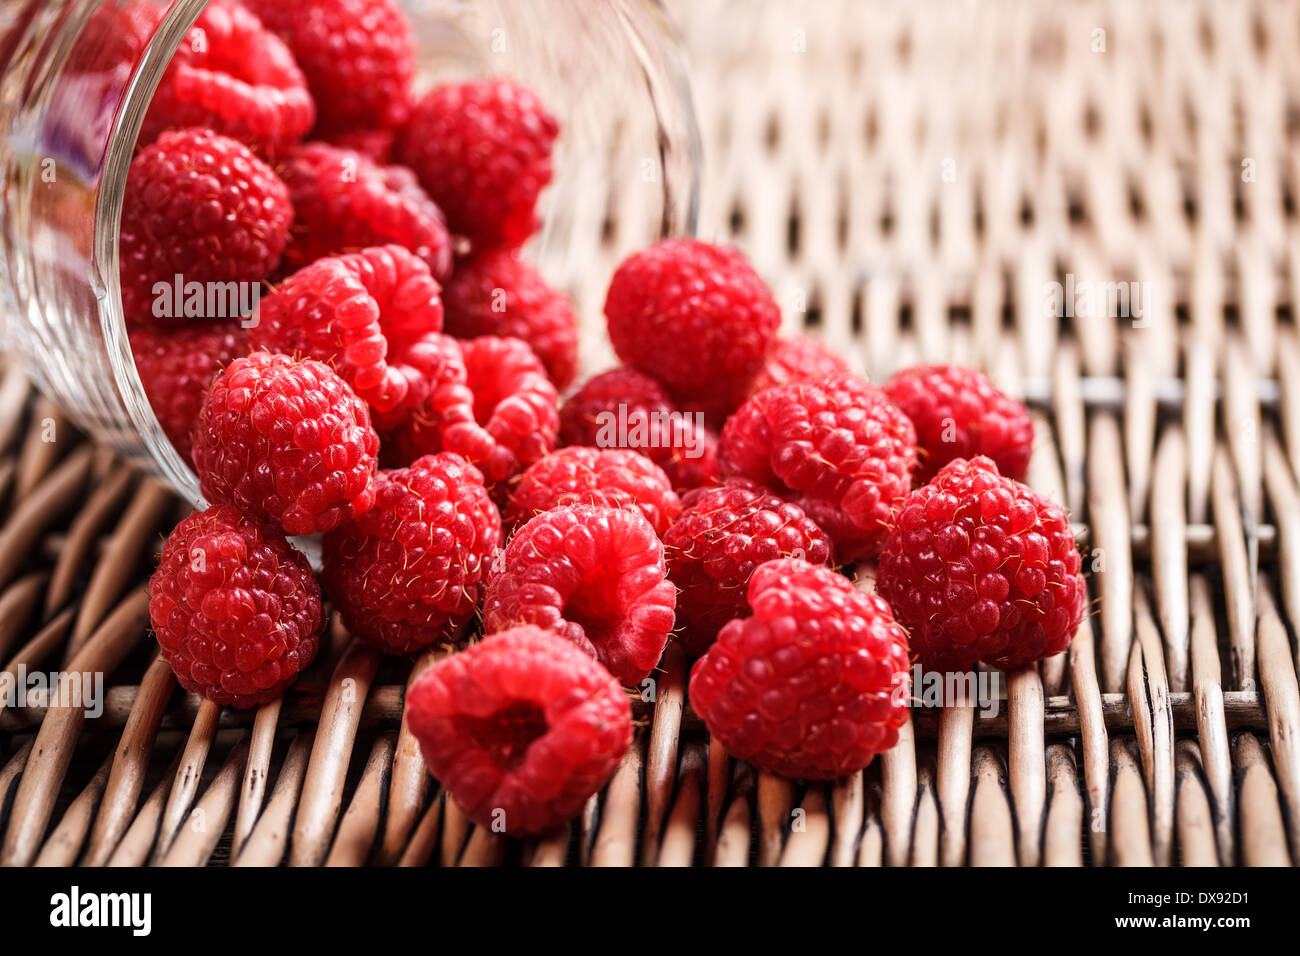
(397, 392)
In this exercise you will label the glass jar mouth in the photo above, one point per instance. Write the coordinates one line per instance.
(164, 43)
(667, 86)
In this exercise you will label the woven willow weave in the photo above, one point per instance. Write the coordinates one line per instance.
(1094, 201)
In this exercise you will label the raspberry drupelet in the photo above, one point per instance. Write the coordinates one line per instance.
(236, 609)
(593, 575)
(813, 683)
(980, 569)
(521, 728)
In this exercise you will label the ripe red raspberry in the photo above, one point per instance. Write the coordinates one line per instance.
(695, 316)
(675, 441)
(358, 57)
(343, 202)
(114, 39)
(522, 729)
(482, 150)
(286, 440)
(375, 144)
(510, 423)
(797, 359)
(959, 413)
(236, 609)
(410, 571)
(721, 536)
(837, 447)
(593, 575)
(202, 207)
(979, 568)
(176, 367)
(234, 76)
(813, 684)
(606, 478)
(497, 293)
(359, 313)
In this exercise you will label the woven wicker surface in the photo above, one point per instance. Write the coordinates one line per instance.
(912, 178)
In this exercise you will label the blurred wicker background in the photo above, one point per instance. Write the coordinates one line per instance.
(917, 180)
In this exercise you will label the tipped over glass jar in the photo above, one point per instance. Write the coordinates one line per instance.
(73, 98)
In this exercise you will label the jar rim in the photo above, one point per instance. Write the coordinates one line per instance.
(179, 17)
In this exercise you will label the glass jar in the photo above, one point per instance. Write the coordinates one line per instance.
(611, 71)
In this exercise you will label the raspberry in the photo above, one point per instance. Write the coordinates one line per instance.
(176, 367)
(593, 575)
(521, 728)
(611, 478)
(509, 422)
(837, 447)
(797, 359)
(813, 684)
(959, 413)
(114, 39)
(232, 75)
(358, 57)
(676, 442)
(374, 144)
(201, 207)
(359, 313)
(236, 609)
(343, 201)
(482, 150)
(721, 536)
(980, 568)
(287, 441)
(695, 316)
(410, 571)
(498, 293)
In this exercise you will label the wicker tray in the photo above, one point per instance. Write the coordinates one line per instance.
(912, 177)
